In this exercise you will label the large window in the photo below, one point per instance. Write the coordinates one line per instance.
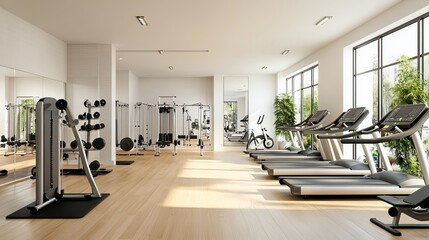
(303, 87)
(375, 65)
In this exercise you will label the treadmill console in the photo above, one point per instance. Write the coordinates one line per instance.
(404, 116)
(318, 116)
(352, 115)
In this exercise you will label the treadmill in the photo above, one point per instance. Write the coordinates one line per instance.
(341, 167)
(313, 121)
(329, 149)
(401, 122)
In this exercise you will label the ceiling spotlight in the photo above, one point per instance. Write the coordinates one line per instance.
(323, 20)
(120, 59)
(264, 67)
(170, 67)
(142, 20)
(161, 51)
(285, 52)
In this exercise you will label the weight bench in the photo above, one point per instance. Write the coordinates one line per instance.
(415, 205)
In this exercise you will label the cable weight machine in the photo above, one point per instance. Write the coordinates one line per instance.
(49, 113)
(201, 124)
(166, 124)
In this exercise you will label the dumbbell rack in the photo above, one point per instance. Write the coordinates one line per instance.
(87, 127)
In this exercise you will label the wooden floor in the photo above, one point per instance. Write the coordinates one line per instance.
(222, 195)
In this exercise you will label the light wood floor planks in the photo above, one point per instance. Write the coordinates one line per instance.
(222, 195)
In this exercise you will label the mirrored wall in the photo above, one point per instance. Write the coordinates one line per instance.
(19, 93)
(235, 111)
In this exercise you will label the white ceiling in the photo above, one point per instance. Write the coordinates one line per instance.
(242, 36)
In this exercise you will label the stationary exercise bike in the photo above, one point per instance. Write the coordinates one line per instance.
(263, 139)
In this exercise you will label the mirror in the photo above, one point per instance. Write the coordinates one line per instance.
(236, 111)
(19, 93)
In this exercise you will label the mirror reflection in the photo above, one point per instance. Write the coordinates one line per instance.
(19, 93)
(235, 108)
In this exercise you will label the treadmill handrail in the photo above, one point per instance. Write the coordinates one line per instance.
(324, 128)
(305, 125)
(368, 130)
(331, 129)
(392, 137)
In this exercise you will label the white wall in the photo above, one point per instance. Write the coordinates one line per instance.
(30, 49)
(92, 75)
(127, 91)
(2, 103)
(36, 87)
(335, 75)
(262, 90)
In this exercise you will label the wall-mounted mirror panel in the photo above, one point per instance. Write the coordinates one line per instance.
(235, 110)
(19, 93)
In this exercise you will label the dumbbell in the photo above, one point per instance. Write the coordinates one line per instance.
(98, 143)
(83, 127)
(81, 117)
(89, 116)
(89, 127)
(65, 156)
(87, 145)
(86, 103)
(94, 165)
(96, 115)
(97, 103)
(73, 144)
(102, 102)
(3, 138)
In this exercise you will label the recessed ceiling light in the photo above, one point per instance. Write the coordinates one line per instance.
(285, 52)
(142, 20)
(264, 67)
(161, 51)
(120, 59)
(170, 67)
(323, 20)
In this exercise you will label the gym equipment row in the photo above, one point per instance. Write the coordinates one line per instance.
(20, 129)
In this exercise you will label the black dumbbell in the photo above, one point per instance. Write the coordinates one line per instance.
(102, 125)
(88, 127)
(80, 117)
(98, 143)
(97, 103)
(3, 138)
(88, 145)
(86, 103)
(97, 126)
(102, 102)
(83, 128)
(73, 144)
(94, 165)
(89, 116)
(96, 115)
(65, 156)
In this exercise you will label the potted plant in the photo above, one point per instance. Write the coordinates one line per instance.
(409, 89)
(284, 112)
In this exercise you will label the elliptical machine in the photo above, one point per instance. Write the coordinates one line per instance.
(262, 139)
